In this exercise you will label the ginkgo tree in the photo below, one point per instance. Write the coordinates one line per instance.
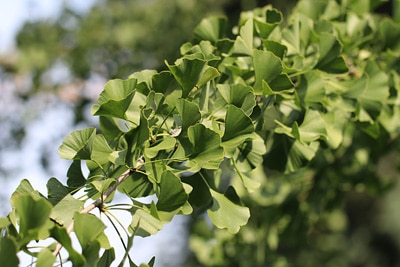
(236, 127)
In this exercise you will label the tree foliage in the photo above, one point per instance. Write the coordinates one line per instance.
(267, 132)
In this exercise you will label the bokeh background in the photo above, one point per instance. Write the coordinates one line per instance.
(56, 56)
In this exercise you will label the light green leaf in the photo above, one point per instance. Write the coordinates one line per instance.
(243, 45)
(226, 214)
(267, 67)
(167, 143)
(102, 153)
(211, 29)
(172, 195)
(115, 99)
(45, 258)
(144, 224)
(238, 95)
(187, 73)
(311, 88)
(102, 185)
(86, 235)
(77, 145)
(33, 216)
(65, 209)
(207, 152)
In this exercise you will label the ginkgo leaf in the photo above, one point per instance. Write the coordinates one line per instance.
(86, 235)
(238, 128)
(144, 224)
(77, 145)
(211, 29)
(226, 214)
(116, 98)
(172, 194)
(207, 152)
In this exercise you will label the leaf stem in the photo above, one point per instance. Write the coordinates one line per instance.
(99, 202)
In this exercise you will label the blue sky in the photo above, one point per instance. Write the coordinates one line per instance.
(14, 13)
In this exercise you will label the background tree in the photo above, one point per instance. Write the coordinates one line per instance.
(328, 93)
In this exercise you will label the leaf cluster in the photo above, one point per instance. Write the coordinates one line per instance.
(249, 125)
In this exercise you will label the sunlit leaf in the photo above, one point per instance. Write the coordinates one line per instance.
(45, 258)
(226, 214)
(211, 29)
(207, 152)
(144, 224)
(77, 145)
(267, 67)
(65, 209)
(86, 235)
(33, 216)
(115, 98)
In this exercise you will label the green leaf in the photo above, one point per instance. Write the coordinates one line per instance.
(87, 235)
(330, 59)
(115, 99)
(137, 185)
(75, 175)
(33, 216)
(102, 153)
(144, 224)
(8, 251)
(189, 113)
(226, 214)
(238, 95)
(311, 88)
(187, 73)
(238, 128)
(211, 29)
(166, 143)
(60, 234)
(243, 45)
(45, 258)
(65, 209)
(267, 67)
(172, 195)
(107, 258)
(77, 145)
(23, 188)
(272, 20)
(207, 152)
(56, 191)
(102, 185)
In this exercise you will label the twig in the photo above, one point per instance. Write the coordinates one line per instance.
(99, 202)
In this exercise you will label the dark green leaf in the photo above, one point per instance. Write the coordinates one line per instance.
(8, 251)
(172, 195)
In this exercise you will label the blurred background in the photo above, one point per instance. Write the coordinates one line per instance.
(56, 56)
